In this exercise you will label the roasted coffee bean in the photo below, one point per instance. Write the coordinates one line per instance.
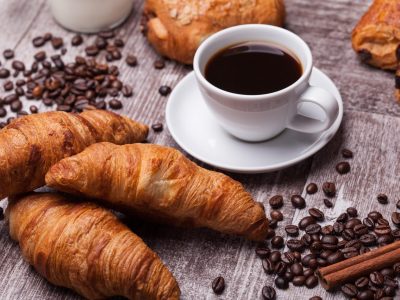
(368, 239)
(299, 280)
(388, 272)
(19, 91)
(8, 85)
(280, 268)
(306, 259)
(342, 244)
(276, 215)
(311, 281)
(116, 104)
(109, 34)
(119, 43)
(275, 256)
(322, 262)
(311, 188)
(159, 64)
(396, 219)
(327, 230)
(389, 292)
(375, 215)
(369, 223)
(48, 101)
(4, 73)
(382, 230)
(288, 276)
(315, 246)
(268, 266)
(91, 50)
(262, 251)
(376, 279)
(316, 213)
(384, 240)
(329, 239)
(349, 252)
(308, 272)
(268, 293)
(362, 283)
(350, 224)
(33, 109)
(10, 98)
(343, 167)
(348, 234)
(354, 243)
(131, 60)
(388, 281)
(8, 54)
(383, 221)
(396, 268)
(281, 283)
(349, 290)
(164, 90)
(273, 223)
(338, 228)
(3, 112)
(277, 242)
(296, 269)
(18, 65)
(342, 218)
(276, 201)
(270, 232)
(360, 229)
(298, 201)
(304, 222)
(398, 204)
(352, 212)
(313, 229)
(10, 120)
(292, 230)
(328, 203)
(100, 43)
(295, 245)
(127, 91)
(335, 257)
(77, 40)
(329, 188)
(57, 42)
(382, 198)
(288, 258)
(366, 295)
(16, 106)
(315, 298)
(38, 41)
(218, 285)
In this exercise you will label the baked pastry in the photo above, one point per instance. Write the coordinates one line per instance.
(30, 145)
(84, 247)
(377, 36)
(160, 184)
(176, 28)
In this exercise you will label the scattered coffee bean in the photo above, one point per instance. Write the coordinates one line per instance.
(3, 112)
(276, 201)
(376, 278)
(268, 293)
(276, 215)
(218, 285)
(159, 64)
(298, 201)
(382, 198)
(8, 54)
(38, 41)
(311, 188)
(131, 60)
(273, 223)
(33, 109)
(164, 90)
(329, 189)
(18, 65)
(77, 40)
(91, 50)
(8, 85)
(315, 298)
(346, 153)
(328, 203)
(349, 290)
(57, 42)
(281, 283)
(316, 213)
(292, 230)
(311, 281)
(304, 222)
(268, 266)
(396, 219)
(352, 212)
(107, 34)
(277, 242)
(4, 73)
(157, 127)
(115, 104)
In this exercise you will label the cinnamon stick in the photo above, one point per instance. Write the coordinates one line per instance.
(355, 267)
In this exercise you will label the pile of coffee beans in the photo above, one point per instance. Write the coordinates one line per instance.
(83, 84)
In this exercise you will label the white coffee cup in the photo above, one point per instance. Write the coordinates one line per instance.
(90, 15)
(260, 117)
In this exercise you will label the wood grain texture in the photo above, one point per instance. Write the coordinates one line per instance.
(370, 128)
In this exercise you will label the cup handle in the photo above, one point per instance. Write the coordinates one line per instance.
(326, 101)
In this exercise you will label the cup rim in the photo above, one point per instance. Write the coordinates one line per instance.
(238, 97)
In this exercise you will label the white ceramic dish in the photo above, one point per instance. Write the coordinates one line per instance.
(195, 129)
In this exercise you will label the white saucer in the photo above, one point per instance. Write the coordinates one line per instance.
(195, 129)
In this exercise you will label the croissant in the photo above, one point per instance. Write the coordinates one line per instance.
(176, 28)
(84, 247)
(377, 36)
(30, 145)
(160, 184)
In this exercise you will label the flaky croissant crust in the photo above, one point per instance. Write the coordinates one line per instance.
(82, 246)
(161, 184)
(176, 28)
(30, 145)
(377, 35)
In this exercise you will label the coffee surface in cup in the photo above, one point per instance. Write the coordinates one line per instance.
(253, 69)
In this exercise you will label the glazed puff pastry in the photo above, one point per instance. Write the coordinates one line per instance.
(377, 36)
(177, 27)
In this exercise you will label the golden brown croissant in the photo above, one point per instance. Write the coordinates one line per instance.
(377, 36)
(160, 184)
(84, 247)
(176, 28)
(30, 145)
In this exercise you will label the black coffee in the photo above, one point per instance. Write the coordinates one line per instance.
(252, 69)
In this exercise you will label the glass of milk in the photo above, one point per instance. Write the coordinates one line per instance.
(90, 15)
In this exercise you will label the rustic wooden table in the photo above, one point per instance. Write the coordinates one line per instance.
(370, 127)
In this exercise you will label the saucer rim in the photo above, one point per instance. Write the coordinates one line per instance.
(321, 142)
